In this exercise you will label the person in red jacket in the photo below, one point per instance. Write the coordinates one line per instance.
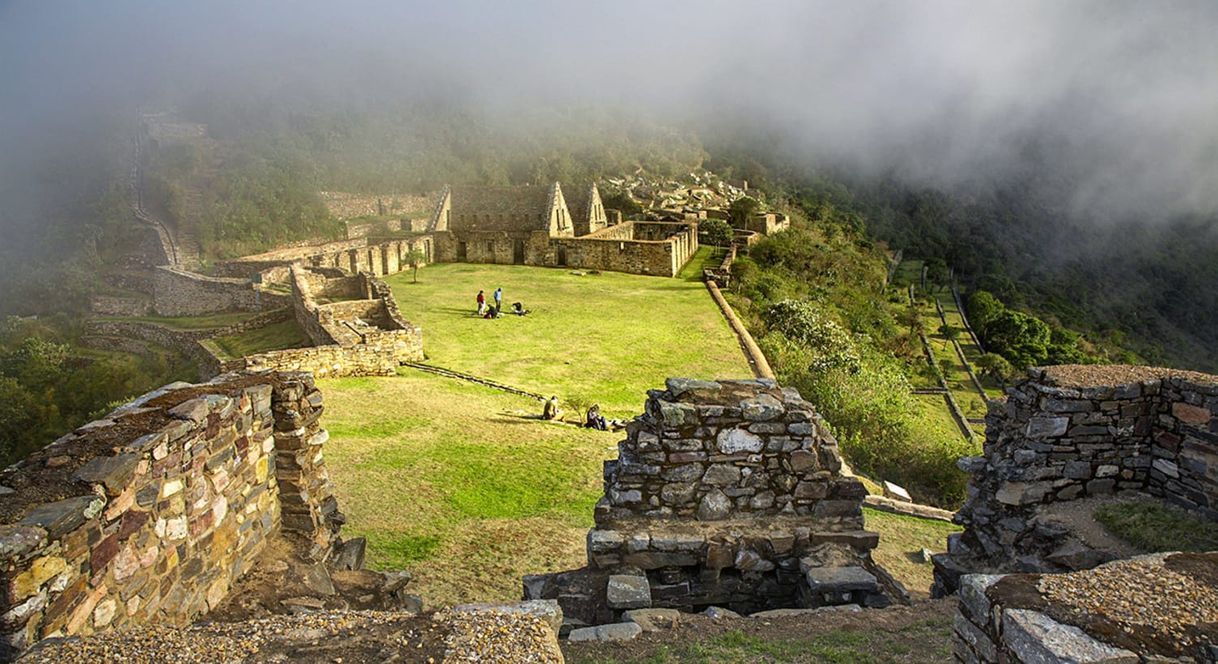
(481, 303)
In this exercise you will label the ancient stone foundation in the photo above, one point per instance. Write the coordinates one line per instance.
(151, 514)
(1075, 432)
(724, 493)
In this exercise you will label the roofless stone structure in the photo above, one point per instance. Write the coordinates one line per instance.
(726, 493)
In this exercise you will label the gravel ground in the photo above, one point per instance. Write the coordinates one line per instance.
(334, 637)
(1163, 602)
(1099, 375)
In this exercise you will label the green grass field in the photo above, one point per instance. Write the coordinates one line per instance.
(598, 338)
(276, 336)
(463, 485)
(459, 483)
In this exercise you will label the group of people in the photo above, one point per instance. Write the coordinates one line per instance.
(494, 310)
(550, 410)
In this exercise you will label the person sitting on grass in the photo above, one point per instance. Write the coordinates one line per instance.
(550, 410)
(594, 419)
(519, 310)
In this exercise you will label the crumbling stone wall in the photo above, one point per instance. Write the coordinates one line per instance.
(366, 337)
(1072, 432)
(150, 514)
(725, 493)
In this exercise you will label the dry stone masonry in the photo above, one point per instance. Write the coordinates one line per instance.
(1072, 432)
(151, 514)
(724, 493)
(1158, 608)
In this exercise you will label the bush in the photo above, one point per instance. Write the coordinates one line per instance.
(718, 232)
(829, 345)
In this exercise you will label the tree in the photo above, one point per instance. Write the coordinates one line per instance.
(948, 332)
(1022, 339)
(741, 209)
(996, 366)
(983, 308)
(414, 258)
(718, 232)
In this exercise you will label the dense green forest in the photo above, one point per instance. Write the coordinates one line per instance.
(1107, 290)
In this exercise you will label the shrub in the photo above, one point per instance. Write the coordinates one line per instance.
(830, 346)
(718, 232)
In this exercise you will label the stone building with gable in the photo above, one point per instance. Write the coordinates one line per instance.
(551, 226)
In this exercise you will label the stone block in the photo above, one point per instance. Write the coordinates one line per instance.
(714, 506)
(628, 592)
(114, 473)
(611, 632)
(839, 579)
(1189, 414)
(1047, 427)
(978, 641)
(761, 408)
(64, 516)
(973, 600)
(732, 441)
(1034, 637)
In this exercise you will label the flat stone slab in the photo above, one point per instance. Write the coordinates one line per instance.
(840, 579)
(628, 592)
(612, 632)
(64, 516)
(1036, 638)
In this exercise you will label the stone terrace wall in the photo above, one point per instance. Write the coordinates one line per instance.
(151, 514)
(180, 293)
(1072, 432)
(724, 493)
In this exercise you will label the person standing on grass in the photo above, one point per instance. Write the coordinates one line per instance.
(499, 298)
(481, 303)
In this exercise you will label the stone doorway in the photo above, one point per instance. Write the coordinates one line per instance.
(460, 251)
(518, 252)
(562, 256)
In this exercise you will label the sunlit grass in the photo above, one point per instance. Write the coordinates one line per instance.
(598, 338)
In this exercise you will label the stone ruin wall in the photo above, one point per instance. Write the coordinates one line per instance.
(341, 349)
(724, 493)
(633, 247)
(152, 513)
(1054, 440)
(180, 293)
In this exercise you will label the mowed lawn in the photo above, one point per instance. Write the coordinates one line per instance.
(598, 338)
(460, 484)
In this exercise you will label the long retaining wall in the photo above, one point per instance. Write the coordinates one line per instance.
(152, 513)
(1072, 432)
